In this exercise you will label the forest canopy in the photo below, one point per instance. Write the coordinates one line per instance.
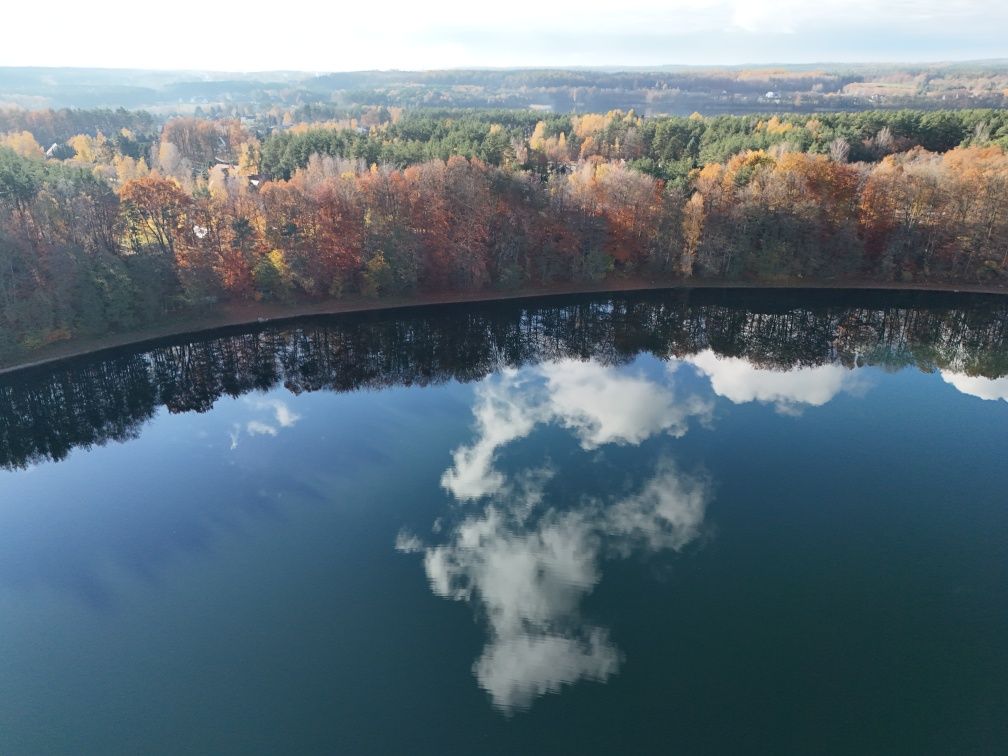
(114, 219)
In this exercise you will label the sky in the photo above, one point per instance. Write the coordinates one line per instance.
(304, 35)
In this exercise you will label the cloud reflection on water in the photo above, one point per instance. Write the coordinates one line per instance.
(599, 404)
(978, 386)
(739, 381)
(283, 417)
(526, 563)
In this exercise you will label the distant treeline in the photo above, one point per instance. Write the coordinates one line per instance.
(664, 91)
(46, 413)
(110, 230)
(665, 147)
(58, 127)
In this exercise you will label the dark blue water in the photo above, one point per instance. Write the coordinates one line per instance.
(641, 524)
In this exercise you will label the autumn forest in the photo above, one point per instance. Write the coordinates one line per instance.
(113, 220)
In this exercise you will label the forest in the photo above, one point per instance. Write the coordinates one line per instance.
(111, 220)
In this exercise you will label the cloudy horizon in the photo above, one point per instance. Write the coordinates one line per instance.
(252, 37)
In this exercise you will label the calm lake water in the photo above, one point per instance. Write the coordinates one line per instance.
(688, 523)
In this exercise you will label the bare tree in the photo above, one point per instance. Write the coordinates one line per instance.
(839, 150)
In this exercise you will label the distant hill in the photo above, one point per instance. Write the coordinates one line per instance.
(663, 90)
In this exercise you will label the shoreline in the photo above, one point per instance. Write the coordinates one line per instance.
(256, 313)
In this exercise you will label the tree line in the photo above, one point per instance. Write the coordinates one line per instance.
(667, 90)
(114, 230)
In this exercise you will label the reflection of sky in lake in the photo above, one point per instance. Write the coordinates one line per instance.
(247, 552)
(528, 563)
(984, 388)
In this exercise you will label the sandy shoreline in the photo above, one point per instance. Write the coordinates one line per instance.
(250, 313)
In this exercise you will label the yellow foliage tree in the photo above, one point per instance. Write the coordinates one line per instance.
(23, 143)
(692, 226)
(127, 168)
(83, 145)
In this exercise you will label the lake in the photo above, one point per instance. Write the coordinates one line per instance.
(687, 522)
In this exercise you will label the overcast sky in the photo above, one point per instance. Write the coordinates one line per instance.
(253, 35)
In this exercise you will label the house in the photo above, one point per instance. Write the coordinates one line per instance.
(60, 151)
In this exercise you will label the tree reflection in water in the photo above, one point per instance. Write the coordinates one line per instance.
(47, 412)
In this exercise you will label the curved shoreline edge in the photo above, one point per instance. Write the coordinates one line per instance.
(235, 315)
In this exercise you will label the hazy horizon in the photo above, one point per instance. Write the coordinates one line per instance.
(826, 65)
(253, 37)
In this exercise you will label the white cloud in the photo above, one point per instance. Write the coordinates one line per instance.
(603, 406)
(504, 413)
(407, 543)
(455, 33)
(599, 404)
(528, 582)
(518, 669)
(283, 414)
(740, 381)
(665, 514)
(282, 417)
(975, 385)
(259, 428)
(528, 568)
(765, 16)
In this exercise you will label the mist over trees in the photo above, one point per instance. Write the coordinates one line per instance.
(665, 90)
